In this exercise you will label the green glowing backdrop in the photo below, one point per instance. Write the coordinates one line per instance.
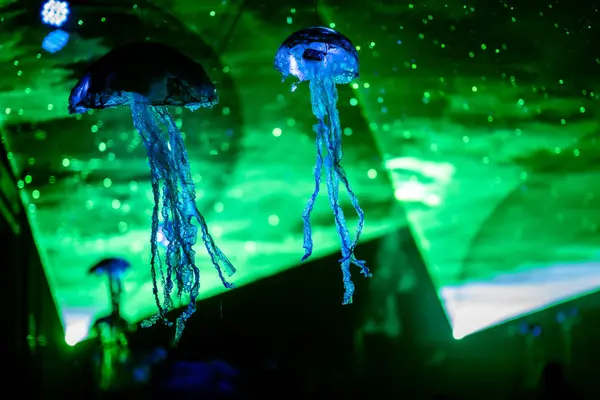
(473, 123)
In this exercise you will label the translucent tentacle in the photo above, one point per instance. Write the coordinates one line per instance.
(324, 100)
(219, 260)
(308, 243)
(141, 116)
(170, 207)
(333, 188)
(188, 274)
(335, 148)
(176, 204)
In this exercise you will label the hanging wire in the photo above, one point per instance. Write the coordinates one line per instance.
(220, 49)
(143, 5)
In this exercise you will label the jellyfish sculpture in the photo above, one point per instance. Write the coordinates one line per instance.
(324, 58)
(113, 268)
(147, 77)
(113, 354)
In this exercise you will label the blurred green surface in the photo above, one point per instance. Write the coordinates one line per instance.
(474, 124)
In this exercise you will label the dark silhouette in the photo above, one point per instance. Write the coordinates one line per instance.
(554, 385)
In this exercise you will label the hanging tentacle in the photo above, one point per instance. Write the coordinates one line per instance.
(188, 274)
(140, 116)
(171, 209)
(324, 100)
(331, 98)
(177, 205)
(219, 260)
(308, 243)
(333, 189)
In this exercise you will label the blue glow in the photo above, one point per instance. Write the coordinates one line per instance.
(55, 13)
(176, 221)
(172, 185)
(55, 41)
(325, 58)
(161, 237)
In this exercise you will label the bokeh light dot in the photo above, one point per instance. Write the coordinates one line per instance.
(273, 220)
(219, 207)
(250, 247)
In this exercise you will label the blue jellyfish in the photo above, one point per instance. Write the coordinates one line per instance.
(110, 330)
(147, 77)
(325, 58)
(114, 269)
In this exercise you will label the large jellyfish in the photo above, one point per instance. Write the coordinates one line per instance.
(147, 77)
(325, 58)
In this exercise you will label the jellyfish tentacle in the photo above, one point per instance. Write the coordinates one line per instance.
(182, 237)
(140, 113)
(324, 99)
(179, 254)
(342, 229)
(320, 99)
(308, 243)
(218, 258)
(331, 98)
(183, 212)
(170, 211)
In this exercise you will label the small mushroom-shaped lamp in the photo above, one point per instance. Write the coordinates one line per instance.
(114, 269)
(324, 58)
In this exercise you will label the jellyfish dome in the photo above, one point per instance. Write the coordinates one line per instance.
(316, 52)
(114, 269)
(147, 77)
(325, 58)
(110, 266)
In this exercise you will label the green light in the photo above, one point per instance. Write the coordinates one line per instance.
(459, 164)
(273, 220)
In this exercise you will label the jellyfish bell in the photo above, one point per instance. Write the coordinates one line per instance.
(113, 268)
(110, 266)
(147, 77)
(149, 73)
(325, 58)
(318, 51)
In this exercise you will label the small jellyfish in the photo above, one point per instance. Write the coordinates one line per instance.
(114, 269)
(325, 58)
(147, 77)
